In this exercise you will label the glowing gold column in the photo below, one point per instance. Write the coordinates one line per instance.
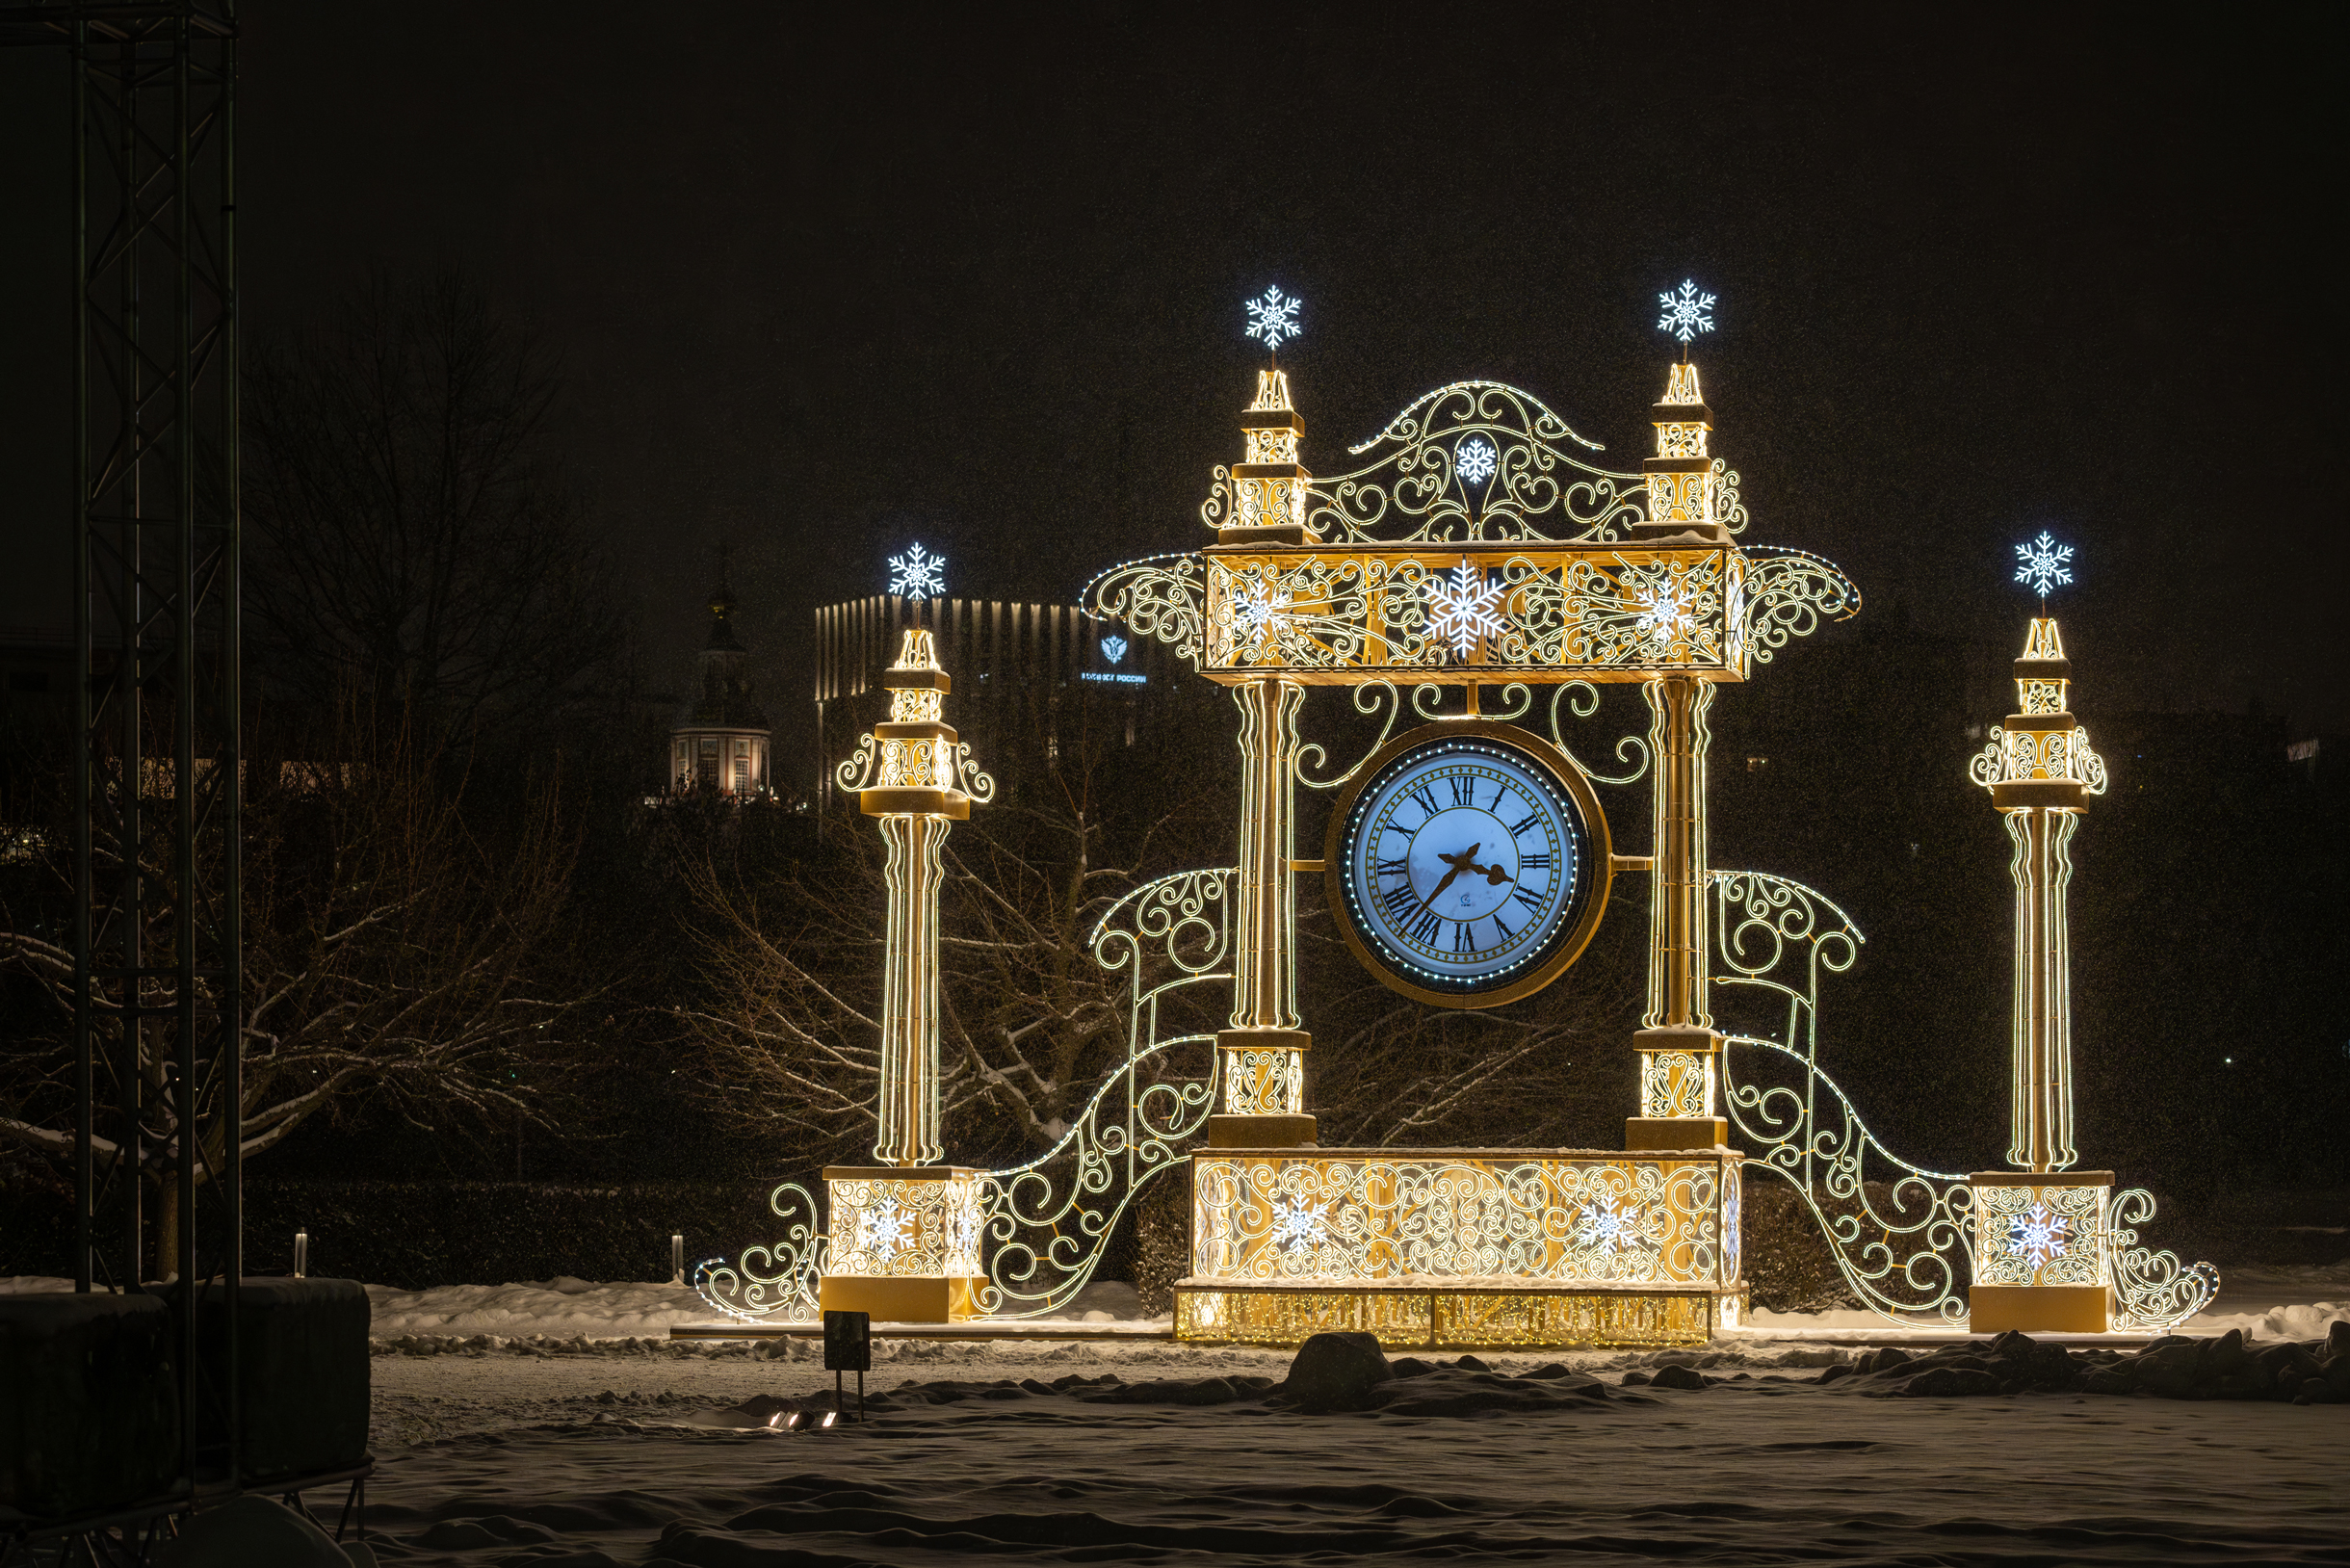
(1261, 1055)
(2041, 1259)
(1679, 1050)
(2038, 768)
(1678, 1046)
(904, 1234)
(908, 1131)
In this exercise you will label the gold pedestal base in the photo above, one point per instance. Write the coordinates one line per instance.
(1449, 1318)
(2037, 1309)
(1675, 1132)
(920, 1299)
(1260, 1131)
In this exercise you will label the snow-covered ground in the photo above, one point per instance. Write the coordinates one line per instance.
(985, 1454)
(555, 1423)
(2281, 1304)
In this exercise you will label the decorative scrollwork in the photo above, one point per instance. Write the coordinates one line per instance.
(853, 774)
(2030, 1234)
(1417, 489)
(2017, 756)
(1369, 697)
(1158, 596)
(1265, 1083)
(1045, 1221)
(772, 1281)
(1586, 703)
(1786, 594)
(1901, 1238)
(1673, 1084)
(1901, 1233)
(1778, 939)
(976, 784)
(1726, 508)
(2151, 1290)
(1310, 1218)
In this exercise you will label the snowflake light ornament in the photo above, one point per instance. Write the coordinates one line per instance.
(888, 1229)
(1259, 614)
(2037, 1236)
(1114, 648)
(917, 575)
(1475, 459)
(1298, 1224)
(1273, 318)
(1464, 608)
(1664, 610)
(1687, 313)
(1605, 1226)
(2044, 563)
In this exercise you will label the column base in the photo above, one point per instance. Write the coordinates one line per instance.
(2037, 1309)
(1260, 1131)
(921, 1299)
(1676, 1132)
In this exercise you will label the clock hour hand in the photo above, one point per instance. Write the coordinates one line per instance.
(1465, 860)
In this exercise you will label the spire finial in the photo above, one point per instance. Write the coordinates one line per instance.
(1686, 314)
(2045, 565)
(1273, 317)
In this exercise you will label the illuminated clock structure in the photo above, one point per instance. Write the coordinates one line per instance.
(1470, 866)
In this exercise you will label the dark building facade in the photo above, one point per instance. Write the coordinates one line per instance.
(1025, 677)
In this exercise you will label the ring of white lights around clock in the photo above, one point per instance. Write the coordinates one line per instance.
(1566, 896)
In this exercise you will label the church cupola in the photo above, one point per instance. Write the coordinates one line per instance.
(720, 743)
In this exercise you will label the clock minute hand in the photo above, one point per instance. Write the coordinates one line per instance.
(1465, 860)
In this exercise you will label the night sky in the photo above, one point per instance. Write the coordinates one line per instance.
(827, 280)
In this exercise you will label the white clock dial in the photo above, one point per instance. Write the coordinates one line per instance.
(1465, 865)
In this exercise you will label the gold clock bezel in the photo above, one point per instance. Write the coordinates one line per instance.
(1571, 782)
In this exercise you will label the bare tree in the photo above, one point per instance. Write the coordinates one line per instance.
(786, 1037)
(406, 538)
(392, 960)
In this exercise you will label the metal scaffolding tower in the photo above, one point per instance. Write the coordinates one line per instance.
(157, 772)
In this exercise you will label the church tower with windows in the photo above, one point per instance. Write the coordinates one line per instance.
(720, 746)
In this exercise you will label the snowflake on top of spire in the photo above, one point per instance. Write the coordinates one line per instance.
(2045, 563)
(1686, 313)
(1273, 318)
(2037, 1236)
(917, 575)
(1464, 609)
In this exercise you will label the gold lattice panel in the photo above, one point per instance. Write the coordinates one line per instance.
(1404, 1317)
(1489, 1217)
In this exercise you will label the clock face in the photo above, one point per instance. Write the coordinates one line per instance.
(1466, 868)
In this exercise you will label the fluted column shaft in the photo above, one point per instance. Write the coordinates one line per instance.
(2042, 1111)
(909, 1122)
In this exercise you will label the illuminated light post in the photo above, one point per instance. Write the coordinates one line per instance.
(904, 1234)
(1260, 1056)
(1680, 1051)
(2041, 1258)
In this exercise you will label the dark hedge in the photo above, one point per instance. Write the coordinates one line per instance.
(419, 1234)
